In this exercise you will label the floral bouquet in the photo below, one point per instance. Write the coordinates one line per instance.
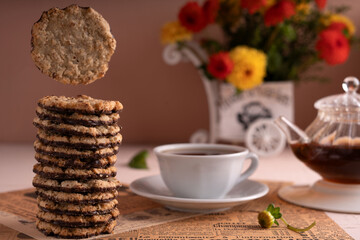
(263, 40)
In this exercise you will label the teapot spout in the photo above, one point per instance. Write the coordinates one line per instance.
(293, 133)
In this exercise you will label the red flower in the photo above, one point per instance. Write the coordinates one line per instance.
(333, 47)
(337, 26)
(211, 8)
(321, 3)
(220, 65)
(192, 17)
(279, 12)
(253, 5)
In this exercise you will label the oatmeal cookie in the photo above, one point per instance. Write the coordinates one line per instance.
(80, 104)
(77, 142)
(75, 163)
(50, 229)
(72, 153)
(73, 173)
(77, 221)
(72, 45)
(76, 209)
(76, 130)
(77, 186)
(77, 118)
(77, 198)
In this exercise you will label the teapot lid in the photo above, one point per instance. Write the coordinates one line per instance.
(349, 101)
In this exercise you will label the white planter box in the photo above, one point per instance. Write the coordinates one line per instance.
(236, 112)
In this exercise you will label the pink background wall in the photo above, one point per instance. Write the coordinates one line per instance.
(161, 103)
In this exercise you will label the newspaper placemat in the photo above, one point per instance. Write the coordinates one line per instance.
(144, 219)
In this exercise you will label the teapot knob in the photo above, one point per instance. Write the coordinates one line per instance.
(350, 84)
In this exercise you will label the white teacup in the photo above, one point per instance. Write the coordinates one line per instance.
(203, 171)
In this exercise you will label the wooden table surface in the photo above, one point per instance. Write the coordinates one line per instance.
(17, 160)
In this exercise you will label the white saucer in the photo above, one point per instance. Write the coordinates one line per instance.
(324, 195)
(154, 188)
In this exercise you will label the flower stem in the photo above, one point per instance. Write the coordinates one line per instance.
(272, 37)
(298, 230)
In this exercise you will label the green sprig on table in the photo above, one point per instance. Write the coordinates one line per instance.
(139, 160)
(268, 217)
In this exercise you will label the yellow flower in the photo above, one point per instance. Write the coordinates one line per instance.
(249, 67)
(174, 32)
(342, 19)
(304, 8)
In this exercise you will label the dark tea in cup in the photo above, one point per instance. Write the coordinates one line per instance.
(200, 152)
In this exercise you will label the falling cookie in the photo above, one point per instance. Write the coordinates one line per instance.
(72, 45)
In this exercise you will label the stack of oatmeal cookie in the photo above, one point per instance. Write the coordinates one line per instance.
(77, 140)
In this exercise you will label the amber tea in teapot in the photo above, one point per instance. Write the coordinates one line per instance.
(331, 144)
(335, 163)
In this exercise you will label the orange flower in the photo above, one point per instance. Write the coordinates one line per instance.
(253, 5)
(282, 10)
(211, 8)
(321, 3)
(220, 65)
(333, 46)
(192, 17)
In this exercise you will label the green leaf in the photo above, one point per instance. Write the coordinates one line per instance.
(346, 33)
(274, 59)
(211, 46)
(276, 215)
(208, 75)
(270, 208)
(289, 32)
(139, 160)
(293, 72)
(238, 91)
(257, 37)
(276, 210)
(276, 222)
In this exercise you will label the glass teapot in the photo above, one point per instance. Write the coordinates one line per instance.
(331, 144)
